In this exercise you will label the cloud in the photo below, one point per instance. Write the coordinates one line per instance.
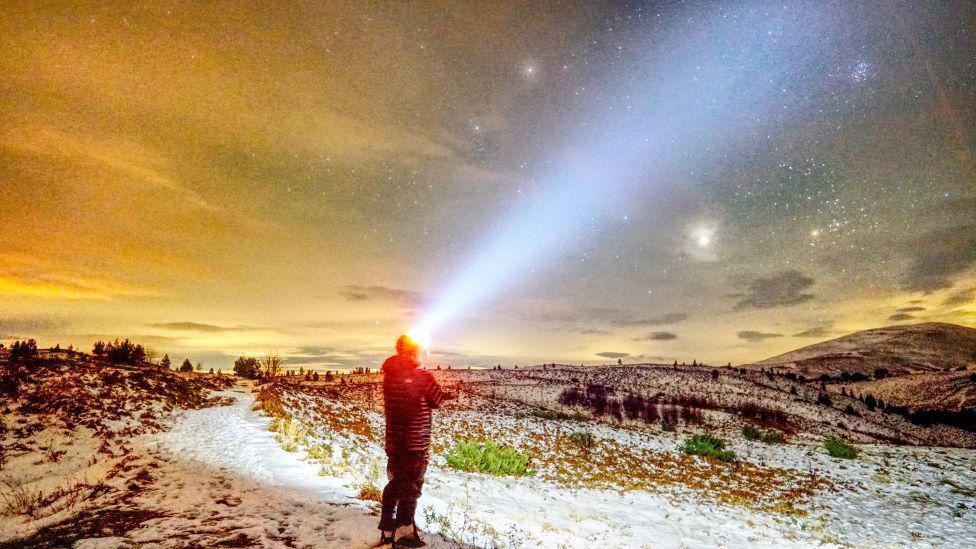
(909, 309)
(753, 336)
(29, 276)
(669, 318)
(816, 331)
(28, 326)
(405, 298)
(939, 256)
(200, 327)
(900, 316)
(961, 297)
(612, 354)
(658, 336)
(777, 290)
(593, 331)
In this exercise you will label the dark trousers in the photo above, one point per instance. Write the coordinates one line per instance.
(406, 473)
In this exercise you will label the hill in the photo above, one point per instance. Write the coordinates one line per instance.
(899, 350)
(922, 371)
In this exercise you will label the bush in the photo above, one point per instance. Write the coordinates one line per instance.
(768, 437)
(583, 440)
(488, 457)
(839, 448)
(707, 445)
(548, 414)
(247, 367)
(368, 492)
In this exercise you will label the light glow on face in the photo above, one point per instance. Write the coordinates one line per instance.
(420, 336)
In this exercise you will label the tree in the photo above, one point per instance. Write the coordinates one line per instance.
(165, 363)
(187, 366)
(315, 376)
(715, 375)
(124, 352)
(247, 367)
(272, 366)
(99, 348)
(199, 366)
(23, 349)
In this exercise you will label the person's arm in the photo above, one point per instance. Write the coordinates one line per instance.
(435, 395)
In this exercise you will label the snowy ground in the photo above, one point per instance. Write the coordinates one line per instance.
(219, 477)
(889, 497)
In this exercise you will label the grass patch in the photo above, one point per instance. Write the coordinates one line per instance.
(488, 457)
(771, 436)
(289, 433)
(707, 445)
(368, 492)
(552, 415)
(583, 440)
(839, 448)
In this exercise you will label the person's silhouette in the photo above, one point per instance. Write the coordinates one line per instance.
(409, 395)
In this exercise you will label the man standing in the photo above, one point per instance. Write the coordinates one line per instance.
(409, 395)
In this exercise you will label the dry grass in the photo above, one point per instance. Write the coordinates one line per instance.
(18, 497)
(368, 492)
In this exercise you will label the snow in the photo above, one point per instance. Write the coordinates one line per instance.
(219, 476)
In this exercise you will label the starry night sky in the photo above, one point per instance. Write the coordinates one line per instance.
(728, 181)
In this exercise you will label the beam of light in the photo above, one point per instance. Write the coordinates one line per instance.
(701, 92)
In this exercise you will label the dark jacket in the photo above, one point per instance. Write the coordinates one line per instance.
(409, 395)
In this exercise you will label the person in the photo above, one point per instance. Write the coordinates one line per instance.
(409, 396)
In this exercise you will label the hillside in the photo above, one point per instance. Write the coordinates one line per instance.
(922, 367)
(911, 349)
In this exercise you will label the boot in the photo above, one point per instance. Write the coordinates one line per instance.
(410, 540)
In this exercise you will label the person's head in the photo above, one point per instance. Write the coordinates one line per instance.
(408, 348)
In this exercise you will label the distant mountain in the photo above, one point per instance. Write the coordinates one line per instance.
(899, 350)
(922, 367)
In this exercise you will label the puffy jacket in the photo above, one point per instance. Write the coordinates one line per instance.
(409, 395)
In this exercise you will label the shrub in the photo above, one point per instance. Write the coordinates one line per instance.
(247, 367)
(824, 399)
(707, 445)
(583, 439)
(547, 414)
(839, 448)
(771, 436)
(369, 492)
(488, 457)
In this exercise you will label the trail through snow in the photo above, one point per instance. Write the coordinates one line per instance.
(227, 454)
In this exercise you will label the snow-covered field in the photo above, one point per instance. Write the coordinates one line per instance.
(238, 474)
(890, 496)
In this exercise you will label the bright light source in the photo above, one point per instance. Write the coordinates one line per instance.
(421, 337)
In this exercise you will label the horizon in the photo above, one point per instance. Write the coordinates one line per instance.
(314, 181)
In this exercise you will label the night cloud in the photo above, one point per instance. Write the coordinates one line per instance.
(961, 297)
(816, 331)
(753, 336)
(611, 354)
(658, 336)
(405, 298)
(777, 290)
(201, 327)
(940, 256)
(669, 318)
